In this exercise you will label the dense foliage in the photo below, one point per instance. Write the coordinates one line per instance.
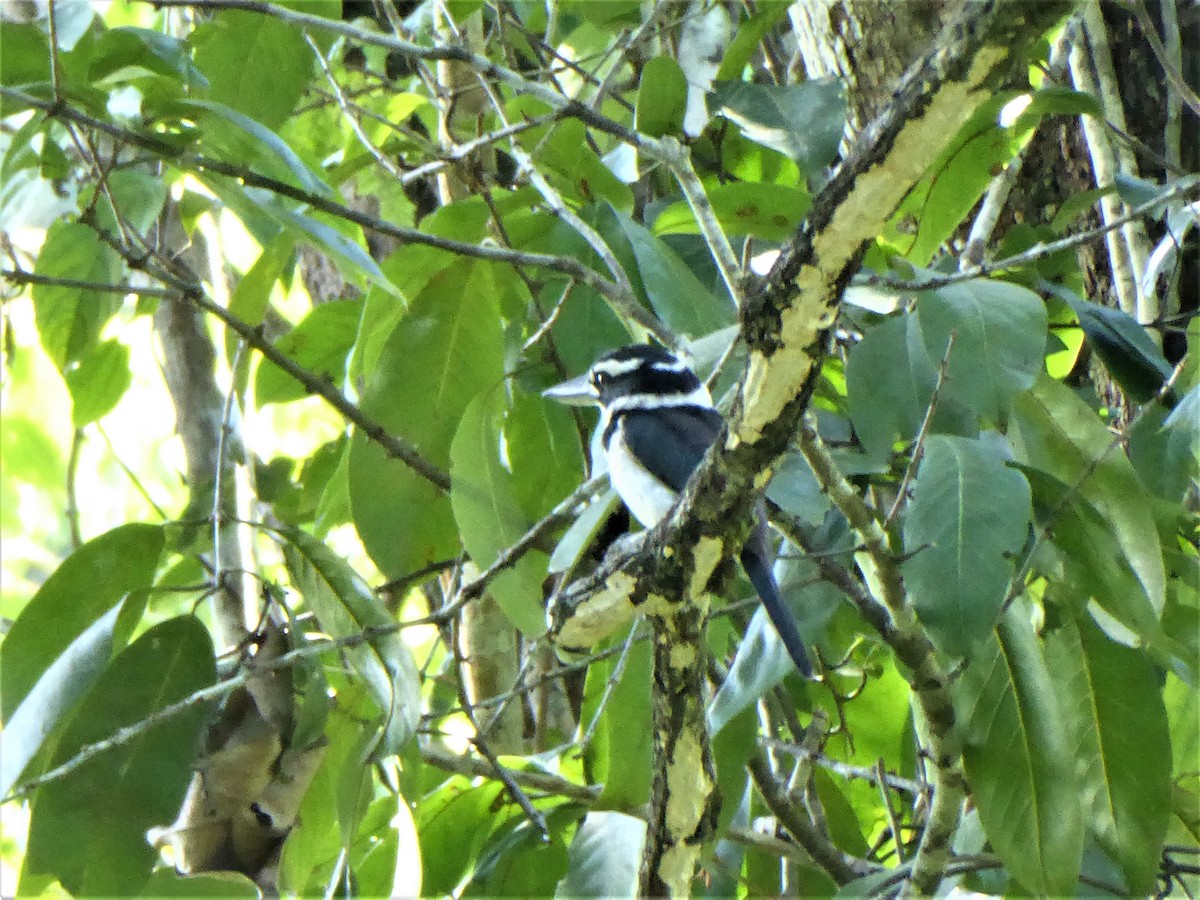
(283, 508)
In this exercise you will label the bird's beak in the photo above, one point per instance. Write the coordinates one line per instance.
(576, 392)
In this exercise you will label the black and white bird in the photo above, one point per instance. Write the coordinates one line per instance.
(657, 420)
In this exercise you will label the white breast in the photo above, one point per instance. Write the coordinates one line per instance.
(647, 497)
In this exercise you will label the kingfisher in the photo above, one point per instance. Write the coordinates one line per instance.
(657, 420)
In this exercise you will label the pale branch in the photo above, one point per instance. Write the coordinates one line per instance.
(841, 867)
(869, 774)
(679, 162)
(473, 767)
(1185, 191)
(344, 104)
(199, 163)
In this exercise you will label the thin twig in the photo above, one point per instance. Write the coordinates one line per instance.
(919, 447)
(1164, 58)
(72, 511)
(1187, 189)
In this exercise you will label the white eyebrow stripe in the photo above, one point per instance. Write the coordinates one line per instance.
(618, 366)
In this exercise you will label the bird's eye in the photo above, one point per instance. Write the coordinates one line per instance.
(599, 379)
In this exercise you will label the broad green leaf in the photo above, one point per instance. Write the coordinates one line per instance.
(139, 197)
(955, 181)
(748, 35)
(662, 97)
(675, 294)
(1093, 565)
(604, 857)
(87, 583)
(320, 344)
(144, 48)
(252, 293)
(99, 382)
(620, 754)
(167, 884)
(543, 452)
(803, 121)
(345, 605)
(1054, 431)
(768, 211)
(1118, 724)
(325, 826)
(1000, 336)
(732, 748)
(579, 537)
(1165, 449)
(356, 263)
(1125, 347)
(482, 494)
(968, 517)
(54, 697)
(453, 821)
(26, 58)
(108, 804)
(445, 351)
(1019, 759)
(564, 156)
(70, 319)
(890, 380)
(238, 138)
(518, 862)
(255, 64)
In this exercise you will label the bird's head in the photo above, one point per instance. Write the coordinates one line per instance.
(639, 376)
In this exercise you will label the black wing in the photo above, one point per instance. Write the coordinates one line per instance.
(670, 441)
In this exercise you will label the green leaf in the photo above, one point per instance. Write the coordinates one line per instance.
(453, 822)
(488, 516)
(167, 884)
(518, 861)
(955, 181)
(583, 531)
(748, 35)
(1019, 759)
(147, 49)
(620, 754)
(26, 59)
(968, 517)
(890, 380)
(320, 344)
(54, 697)
(803, 121)
(255, 64)
(1000, 331)
(1093, 566)
(1118, 725)
(1165, 450)
(87, 583)
(138, 195)
(767, 211)
(108, 804)
(662, 98)
(674, 292)
(99, 382)
(605, 856)
(1130, 356)
(355, 261)
(543, 452)
(70, 319)
(252, 293)
(345, 605)
(1054, 431)
(446, 350)
(237, 137)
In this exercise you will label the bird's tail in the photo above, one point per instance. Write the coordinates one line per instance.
(758, 570)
